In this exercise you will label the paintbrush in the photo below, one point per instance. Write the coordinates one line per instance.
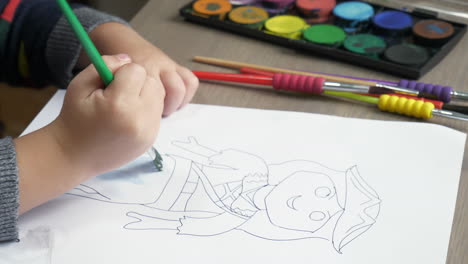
(414, 88)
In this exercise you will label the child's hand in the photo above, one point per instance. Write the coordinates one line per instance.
(103, 129)
(97, 131)
(180, 83)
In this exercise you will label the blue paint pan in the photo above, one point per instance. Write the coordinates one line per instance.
(393, 20)
(353, 16)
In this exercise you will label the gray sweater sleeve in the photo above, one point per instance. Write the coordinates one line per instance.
(9, 192)
(63, 47)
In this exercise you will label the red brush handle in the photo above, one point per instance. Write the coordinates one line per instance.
(234, 77)
(255, 71)
(279, 81)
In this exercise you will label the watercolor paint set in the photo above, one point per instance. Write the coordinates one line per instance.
(400, 42)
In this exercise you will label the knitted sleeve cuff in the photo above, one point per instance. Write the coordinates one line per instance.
(63, 47)
(9, 191)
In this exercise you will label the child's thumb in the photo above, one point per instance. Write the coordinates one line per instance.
(89, 80)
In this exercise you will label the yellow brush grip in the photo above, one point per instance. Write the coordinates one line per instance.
(405, 106)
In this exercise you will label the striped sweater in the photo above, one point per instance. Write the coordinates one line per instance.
(37, 47)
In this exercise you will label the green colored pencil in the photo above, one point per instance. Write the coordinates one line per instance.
(95, 57)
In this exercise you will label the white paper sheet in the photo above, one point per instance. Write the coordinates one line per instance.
(255, 186)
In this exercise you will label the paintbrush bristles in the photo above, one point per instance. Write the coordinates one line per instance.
(238, 65)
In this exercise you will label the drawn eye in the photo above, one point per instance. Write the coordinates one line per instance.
(323, 192)
(317, 216)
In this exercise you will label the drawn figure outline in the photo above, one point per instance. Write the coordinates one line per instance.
(210, 192)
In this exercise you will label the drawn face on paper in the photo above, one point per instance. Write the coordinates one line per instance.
(304, 201)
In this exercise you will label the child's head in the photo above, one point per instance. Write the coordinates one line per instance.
(304, 201)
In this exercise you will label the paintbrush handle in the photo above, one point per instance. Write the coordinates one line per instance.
(238, 65)
(443, 93)
(279, 81)
(437, 104)
(406, 106)
(234, 77)
(88, 45)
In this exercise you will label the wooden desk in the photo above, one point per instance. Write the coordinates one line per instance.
(159, 22)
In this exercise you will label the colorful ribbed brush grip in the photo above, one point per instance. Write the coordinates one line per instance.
(405, 106)
(443, 93)
(298, 83)
(437, 104)
(279, 81)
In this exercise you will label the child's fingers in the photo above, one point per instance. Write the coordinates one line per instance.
(128, 82)
(152, 99)
(175, 91)
(191, 84)
(87, 81)
(153, 95)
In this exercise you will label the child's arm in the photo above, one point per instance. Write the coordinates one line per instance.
(8, 190)
(37, 45)
(40, 47)
(97, 131)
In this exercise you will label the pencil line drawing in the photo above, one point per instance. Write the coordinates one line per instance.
(210, 192)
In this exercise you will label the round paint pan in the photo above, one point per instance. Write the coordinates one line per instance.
(365, 44)
(212, 8)
(407, 54)
(353, 16)
(392, 23)
(325, 35)
(316, 11)
(250, 16)
(432, 32)
(286, 26)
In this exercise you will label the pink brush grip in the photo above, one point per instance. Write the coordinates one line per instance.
(298, 83)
